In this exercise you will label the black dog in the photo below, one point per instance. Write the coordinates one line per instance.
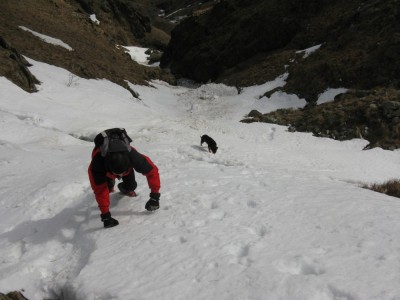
(212, 145)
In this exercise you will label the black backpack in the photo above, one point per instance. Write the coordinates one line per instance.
(113, 140)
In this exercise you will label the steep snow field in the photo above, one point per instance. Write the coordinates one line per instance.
(273, 215)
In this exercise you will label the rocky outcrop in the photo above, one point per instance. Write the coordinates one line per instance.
(360, 46)
(201, 48)
(122, 11)
(372, 115)
(12, 296)
(15, 67)
(360, 49)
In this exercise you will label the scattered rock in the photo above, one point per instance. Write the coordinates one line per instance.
(373, 116)
(15, 66)
(12, 296)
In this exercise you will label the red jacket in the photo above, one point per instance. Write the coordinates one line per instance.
(98, 174)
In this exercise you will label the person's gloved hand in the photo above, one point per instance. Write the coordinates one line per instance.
(108, 221)
(153, 203)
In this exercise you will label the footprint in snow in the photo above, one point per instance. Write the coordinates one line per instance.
(299, 265)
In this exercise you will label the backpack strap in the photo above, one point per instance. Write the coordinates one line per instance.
(104, 145)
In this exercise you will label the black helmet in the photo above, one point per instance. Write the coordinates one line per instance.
(118, 162)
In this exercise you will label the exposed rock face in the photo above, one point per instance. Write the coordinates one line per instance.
(14, 65)
(201, 48)
(373, 115)
(124, 12)
(360, 44)
(360, 49)
(12, 296)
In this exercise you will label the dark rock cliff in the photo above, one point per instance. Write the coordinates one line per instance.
(15, 67)
(360, 46)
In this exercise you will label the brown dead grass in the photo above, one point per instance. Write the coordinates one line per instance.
(95, 53)
(391, 187)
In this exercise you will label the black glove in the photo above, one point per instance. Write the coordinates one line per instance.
(153, 203)
(108, 221)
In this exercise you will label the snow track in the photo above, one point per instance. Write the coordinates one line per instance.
(273, 215)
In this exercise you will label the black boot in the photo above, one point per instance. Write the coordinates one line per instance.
(108, 221)
(124, 191)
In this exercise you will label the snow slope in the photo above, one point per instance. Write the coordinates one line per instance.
(273, 215)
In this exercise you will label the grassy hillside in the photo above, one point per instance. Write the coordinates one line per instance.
(95, 53)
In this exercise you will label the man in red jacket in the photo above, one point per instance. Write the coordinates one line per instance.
(121, 163)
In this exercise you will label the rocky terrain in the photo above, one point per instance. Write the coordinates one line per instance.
(12, 296)
(235, 42)
(95, 53)
(359, 49)
(373, 115)
(359, 44)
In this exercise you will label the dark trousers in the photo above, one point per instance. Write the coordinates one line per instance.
(128, 182)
